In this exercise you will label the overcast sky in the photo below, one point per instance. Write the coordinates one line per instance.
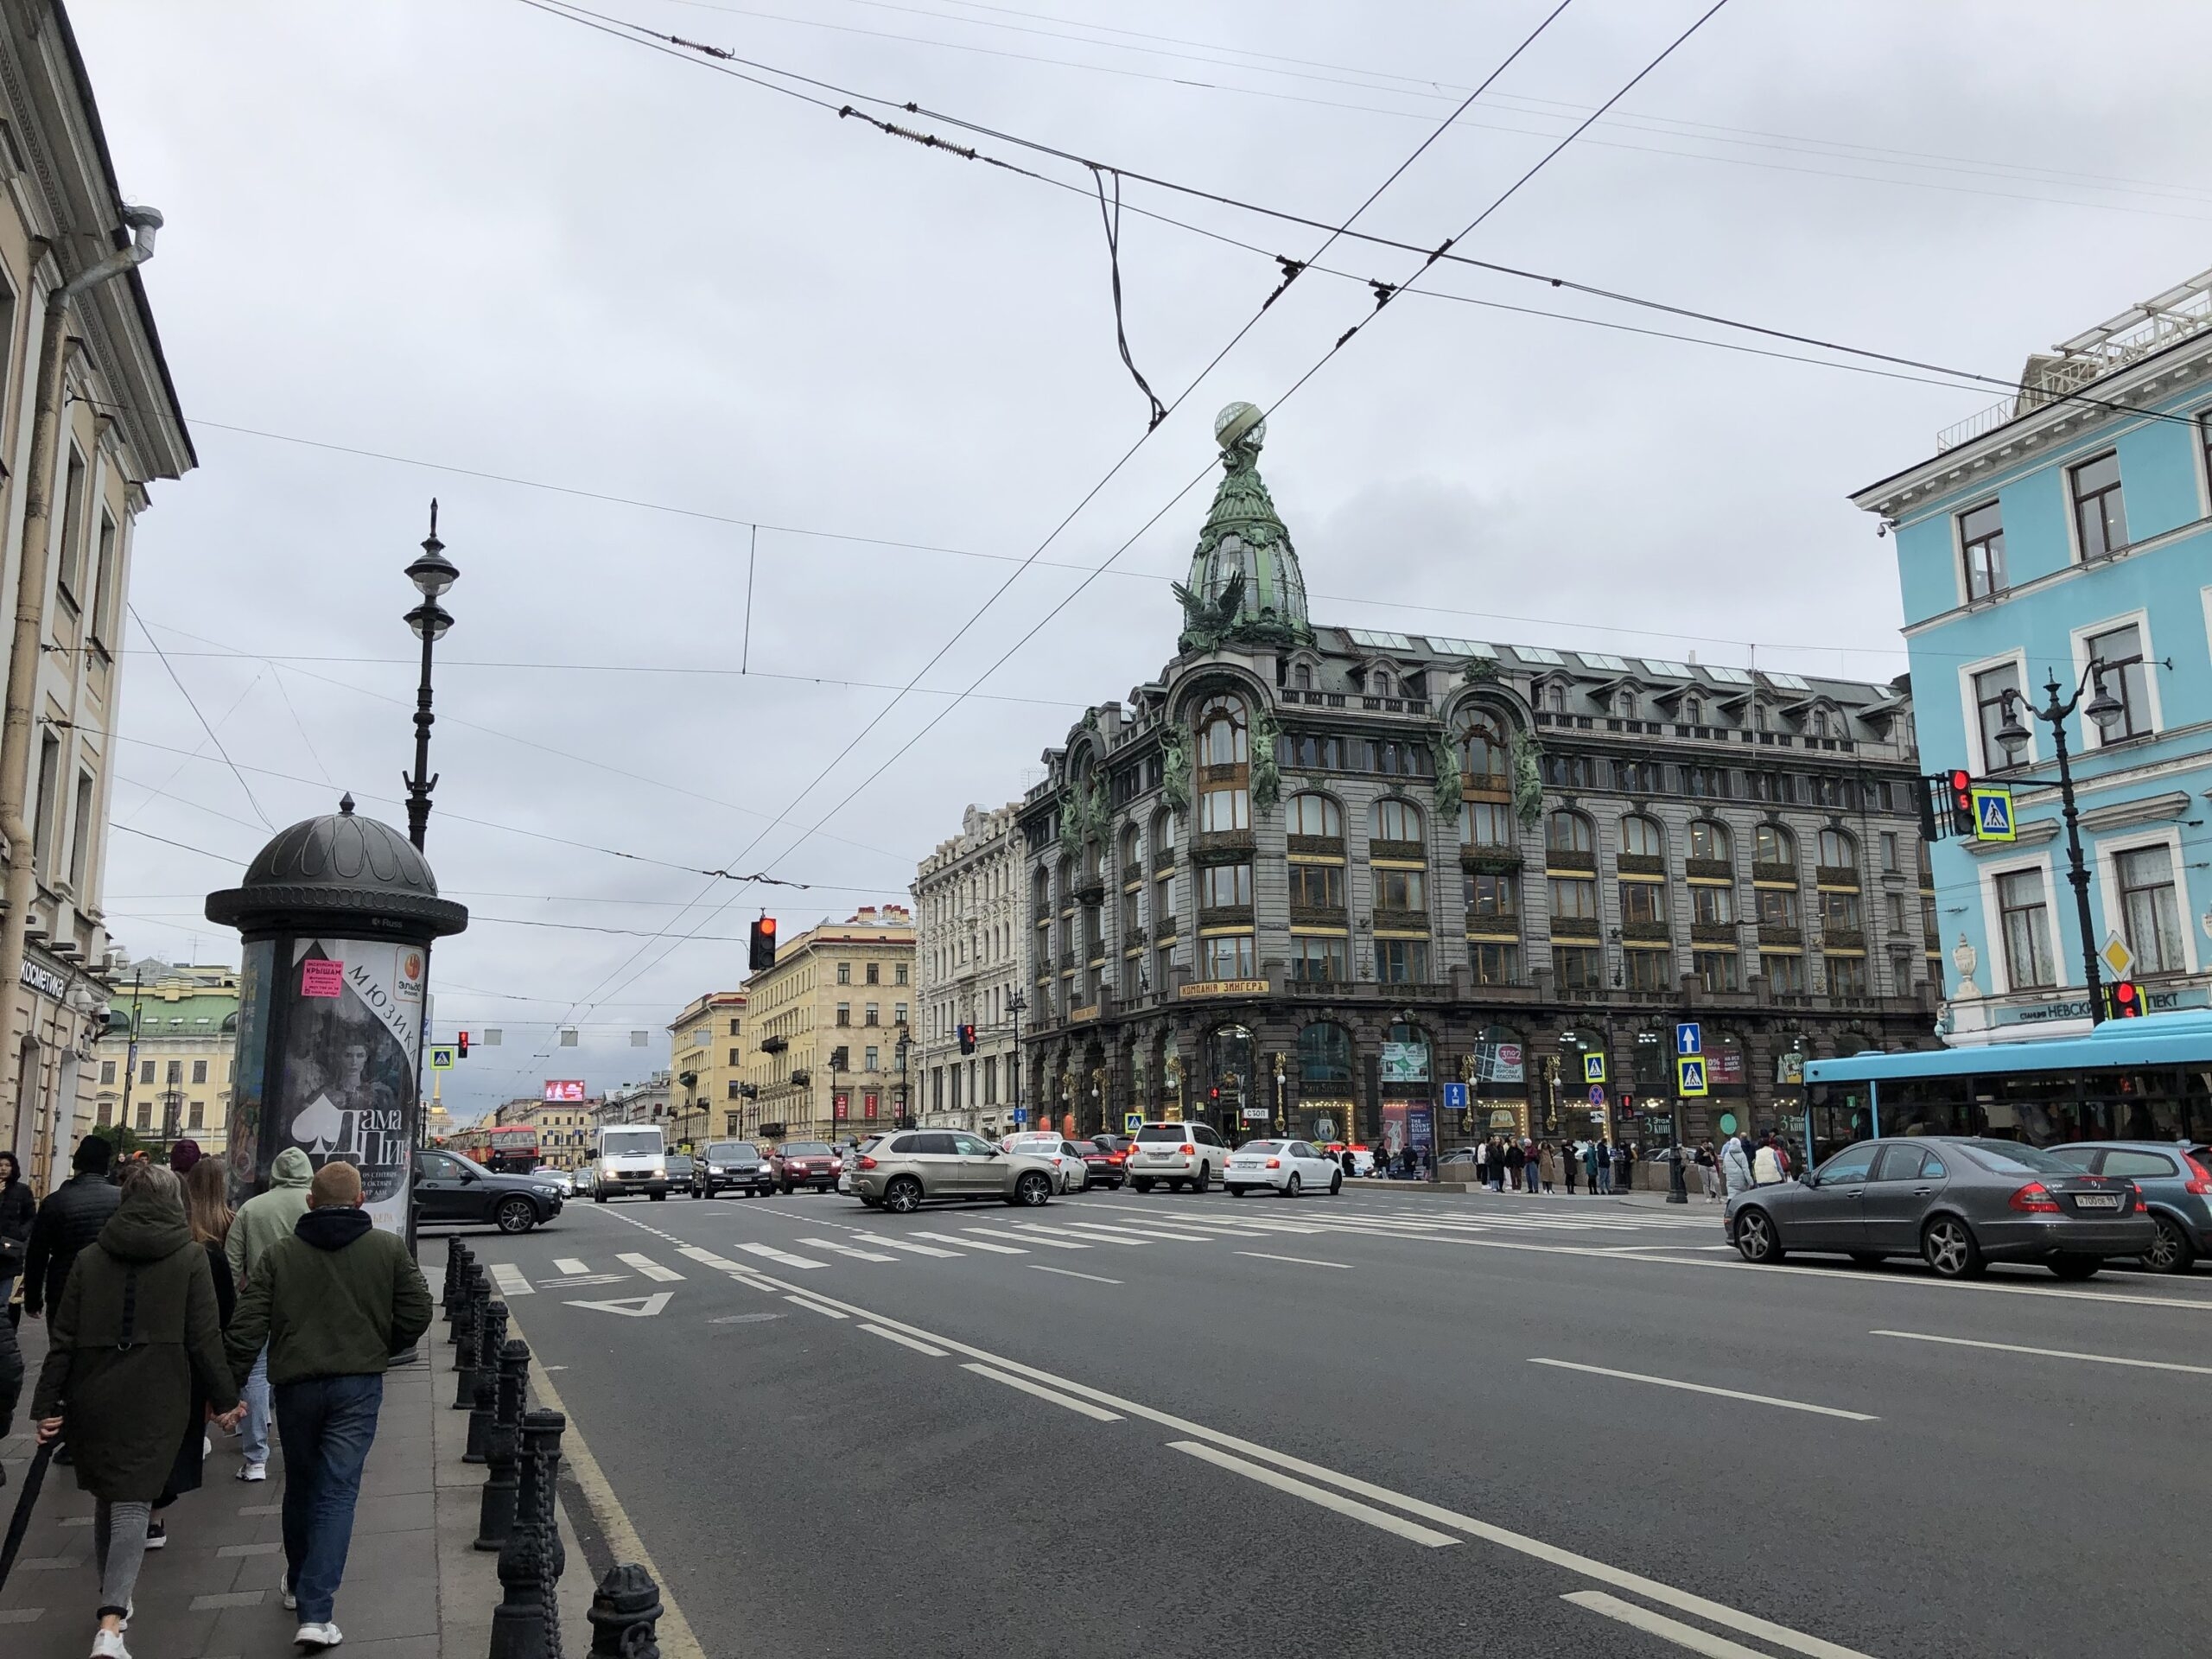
(487, 240)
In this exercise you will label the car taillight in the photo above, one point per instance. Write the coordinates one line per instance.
(866, 1162)
(2034, 1199)
(1187, 1150)
(1275, 1163)
(2140, 1208)
(2200, 1179)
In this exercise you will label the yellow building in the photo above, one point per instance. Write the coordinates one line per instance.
(707, 1044)
(563, 1128)
(830, 1028)
(186, 1035)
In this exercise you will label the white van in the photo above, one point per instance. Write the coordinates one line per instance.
(627, 1159)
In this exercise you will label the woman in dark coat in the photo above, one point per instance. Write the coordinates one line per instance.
(17, 1207)
(134, 1332)
(208, 1213)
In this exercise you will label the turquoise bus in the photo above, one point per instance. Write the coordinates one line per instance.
(2146, 1079)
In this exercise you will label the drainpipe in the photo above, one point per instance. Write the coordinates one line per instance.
(30, 606)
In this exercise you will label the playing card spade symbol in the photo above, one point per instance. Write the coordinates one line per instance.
(320, 1125)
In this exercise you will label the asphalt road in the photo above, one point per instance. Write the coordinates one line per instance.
(1367, 1424)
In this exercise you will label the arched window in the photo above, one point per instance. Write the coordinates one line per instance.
(1325, 1056)
(1485, 759)
(1838, 850)
(1694, 711)
(1163, 837)
(1710, 840)
(1569, 832)
(1132, 847)
(1642, 836)
(1555, 698)
(1624, 703)
(1820, 722)
(1392, 820)
(1313, 814)
(1758, 716)
(1772, 844)
(1378, 683)
(1302, 678)
(1067, 881)
(1222, 739)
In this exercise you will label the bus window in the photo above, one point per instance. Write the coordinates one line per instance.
(1838, 1115)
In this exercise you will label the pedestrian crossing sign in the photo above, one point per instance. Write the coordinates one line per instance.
(1593, 1068)
(441, 1056)
(1993, 813)
(1689, 1075)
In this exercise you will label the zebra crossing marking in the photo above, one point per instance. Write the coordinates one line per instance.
(510, 1280)
(784, 1257)
(1029, 1238)
(908, 1244)
(974, 1245)
(650, 1267)
(848, 1249)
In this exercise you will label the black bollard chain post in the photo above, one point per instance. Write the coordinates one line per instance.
(526, 1624)
(624, 1610)
(495, 1515)
(452, 1278)
(492, 1343)
(476, 1296)
(457, 1295)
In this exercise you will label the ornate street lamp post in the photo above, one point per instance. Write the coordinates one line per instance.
(432, 574)
(1014, 1006)
(2104, 708)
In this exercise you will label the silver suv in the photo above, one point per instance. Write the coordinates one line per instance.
(1181, 1154)
(902, 1171)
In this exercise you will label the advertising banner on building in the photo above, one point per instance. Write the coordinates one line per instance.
(349, 1062)
(1405, 1062)
(1498, 1063)
(564, 1088)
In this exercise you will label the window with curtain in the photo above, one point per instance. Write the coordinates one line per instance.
(2024, 919)
(2150, 909)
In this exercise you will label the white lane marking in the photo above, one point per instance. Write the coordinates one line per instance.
(2195, 1304)
(930, 1348)
(2049, 1353)
(652, 1269)
(1658, 1624)
(569, 1264)
(1070, 1273)
(1041, 1229)
(813, 1307)
(574, 1279)
(846, 1249)
(635, 1308)
(974, 1245)
(510, 1280)
(1243, 1226)
(1023, 1382)
(774, 1255)
(1702, 1388)
(908, 1244)
(1027, 1238)
(706, 1258)
(1520, 1544)
(1302, 1261)
(1320, 1494)
(1098, 1229)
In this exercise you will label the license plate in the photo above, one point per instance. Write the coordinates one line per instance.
(2096, 1201)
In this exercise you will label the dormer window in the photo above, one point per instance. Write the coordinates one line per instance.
(1555, 698)
(1624, 703)
(1818, 723)
(1302, 678)
(1378, 683)
(1758, 716)
(1694, 711)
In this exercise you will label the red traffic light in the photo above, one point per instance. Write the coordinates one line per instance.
(2127, 1000)
(763, 946)
(463, 1046)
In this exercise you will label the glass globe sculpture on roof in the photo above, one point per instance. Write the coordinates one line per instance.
(1245, 588)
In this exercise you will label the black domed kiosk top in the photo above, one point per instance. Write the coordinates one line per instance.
(341, 871)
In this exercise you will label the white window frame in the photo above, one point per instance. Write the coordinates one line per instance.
(1970, 711)
(2091, 737)
(1993, 927)
(2109, 909)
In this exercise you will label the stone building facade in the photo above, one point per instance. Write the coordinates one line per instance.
(829, 1024)
(707, 1054)
(1313, 877)
(178, 1026)
(970, 968)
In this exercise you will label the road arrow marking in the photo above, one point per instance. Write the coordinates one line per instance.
(632, 1307)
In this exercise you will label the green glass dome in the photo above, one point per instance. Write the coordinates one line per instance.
(1245, 587)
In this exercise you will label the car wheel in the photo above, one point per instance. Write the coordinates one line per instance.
(1335, 1182)
(1757, 1241)
(599, 1197)
(657, 1197)
(903, 1196)
(786, 1189)
(1205, 1175)
(1175, 1183)
(2169, 1251)
(1033, 1189)
(1142, 1184)
(516, 1215)
(1236, 1192)
(1291, 1190)
(2075, 1267)
(1947, 1245)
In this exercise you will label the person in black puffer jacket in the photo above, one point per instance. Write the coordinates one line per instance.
(69, 1220)
(17, 1207)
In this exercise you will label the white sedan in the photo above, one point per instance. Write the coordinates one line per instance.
(1289, 1167)
(1064, 1155)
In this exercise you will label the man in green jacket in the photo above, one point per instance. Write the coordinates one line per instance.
(261, 1221)
(333, 1302)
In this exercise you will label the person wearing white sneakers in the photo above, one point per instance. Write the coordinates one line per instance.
(134, 1333)
(260, 1222)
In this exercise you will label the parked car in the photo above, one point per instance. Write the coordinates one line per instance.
(451, 1188)
(1106, 1164)
(1958, 1203)
(680, 1166)
(903, 1170)
(731, 1166)
(2176, 1180)
(1287, 1167)
(805, 1163)
(1181, 1154)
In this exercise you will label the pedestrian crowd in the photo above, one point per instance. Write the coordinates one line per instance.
(168, 1314)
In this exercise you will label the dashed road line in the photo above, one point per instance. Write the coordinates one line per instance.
(1081, 1407)
(1302, 1261)
(650, 1268)
(2050, 1353)
(1316, 1494)
(1705, 1387)
(1070, 1273)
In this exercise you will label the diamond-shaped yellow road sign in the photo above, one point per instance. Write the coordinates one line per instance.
(2116, 956)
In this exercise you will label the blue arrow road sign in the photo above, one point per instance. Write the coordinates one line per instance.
(1455, 1097)
(1688, 1038)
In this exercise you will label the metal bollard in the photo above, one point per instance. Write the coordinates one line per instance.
(458, 1259)
(526, 1624)
(624, 1610)
(475, 1300)
(492, 1332)
(453, 1271)
(495, 1513)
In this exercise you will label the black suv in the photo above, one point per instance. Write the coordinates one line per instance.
(451, 1188)
(732, 1166)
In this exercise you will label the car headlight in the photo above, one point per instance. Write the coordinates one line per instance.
(547, 1192)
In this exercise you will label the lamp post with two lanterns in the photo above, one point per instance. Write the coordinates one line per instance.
(432, 574)
(2104, 708)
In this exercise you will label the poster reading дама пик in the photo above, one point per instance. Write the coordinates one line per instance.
(353, 1035)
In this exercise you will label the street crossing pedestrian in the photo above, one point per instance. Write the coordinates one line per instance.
(1568, 1160)
(1547, 1163)
(1736, 1163)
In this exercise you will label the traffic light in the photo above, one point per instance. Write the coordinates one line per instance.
(764, 943)
(1960, 795)
(2123, 1000)
(967, 1040)
(463, 1046)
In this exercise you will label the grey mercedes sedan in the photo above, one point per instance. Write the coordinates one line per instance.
(1958, 1204)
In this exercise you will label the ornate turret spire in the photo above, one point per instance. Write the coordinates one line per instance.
(1245, 585)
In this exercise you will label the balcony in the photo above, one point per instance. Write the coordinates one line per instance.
(1401, 852)
(1557, 858)
(1330, 916)
(1577, 928)
(1641, 863)
(1315, 846)
(1647, 931)
(1488, 861)
(1836, 875)
(1780, 933)
(1776, 872)
(1708, 869)
(1713, 933)
(1224, 916)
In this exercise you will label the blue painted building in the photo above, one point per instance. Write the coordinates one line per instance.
(2069, 526)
